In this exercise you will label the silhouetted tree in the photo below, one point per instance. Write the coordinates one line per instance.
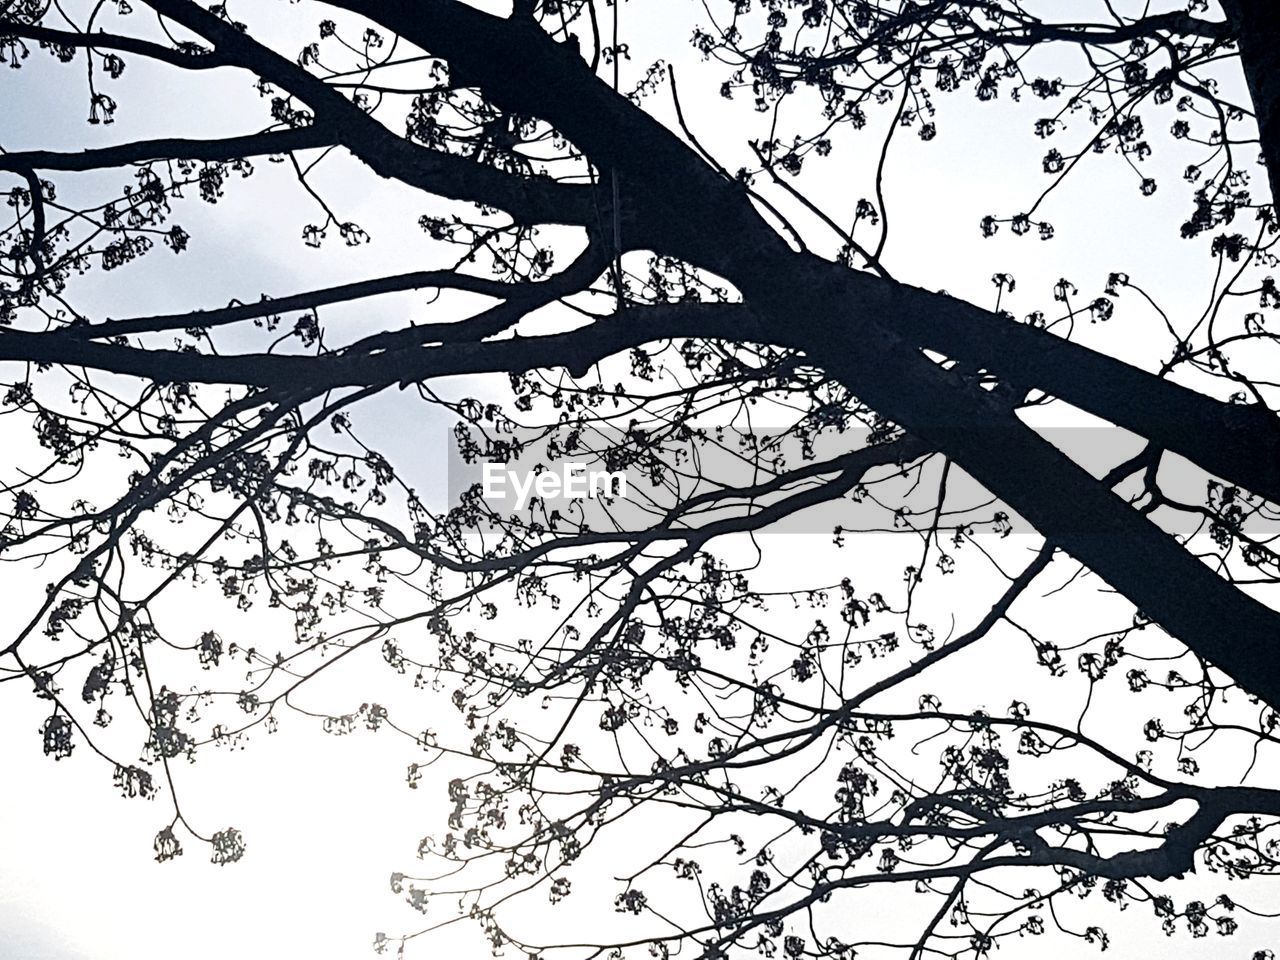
(810, 765)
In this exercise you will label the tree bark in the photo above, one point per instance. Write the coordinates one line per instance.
(1257, 28)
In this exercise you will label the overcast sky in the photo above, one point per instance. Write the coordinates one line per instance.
(328, 819)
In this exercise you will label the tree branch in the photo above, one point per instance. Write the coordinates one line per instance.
(145, 151)
(576, 351)
(107, 41)
(527, 199)
(1240, 444)
(1256, 26)
(523, 294)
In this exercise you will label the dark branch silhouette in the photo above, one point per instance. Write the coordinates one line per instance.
(649, 310)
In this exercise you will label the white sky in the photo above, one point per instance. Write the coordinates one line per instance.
(328, 819)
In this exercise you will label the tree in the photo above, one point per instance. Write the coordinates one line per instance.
(806, 752)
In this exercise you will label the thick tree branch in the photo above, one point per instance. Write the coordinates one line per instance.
(854, 328)
(1175, 22)
(837, 317)
(1256, 26)
(175, 148)
(1071, 508)
(1240, 444)
(527, 199)
(1237, 442)
(576, 351)
(673, 197)
(850, 326)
